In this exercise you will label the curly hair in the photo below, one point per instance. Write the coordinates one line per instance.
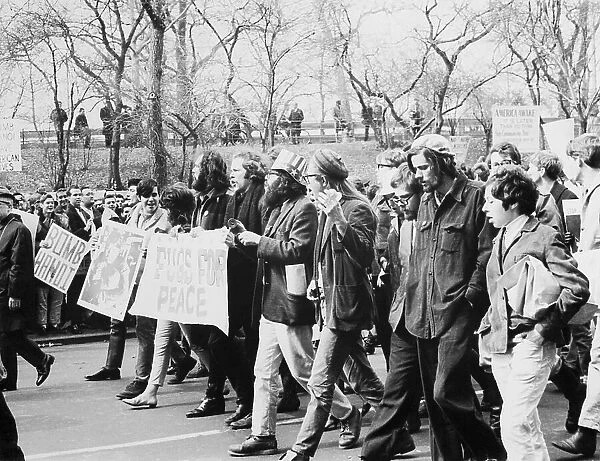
(212, 173)
(511, 184)
(254, 164)
(507, 149)
(180, 203)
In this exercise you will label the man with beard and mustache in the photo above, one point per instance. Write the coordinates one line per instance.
(285, 256)
(445, 292)
(218, 351)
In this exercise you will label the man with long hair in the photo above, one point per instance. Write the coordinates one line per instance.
(343, 251)
(218, 350)
(285, 255)
(445, 288)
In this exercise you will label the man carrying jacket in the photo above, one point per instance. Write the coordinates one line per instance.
(285, 255)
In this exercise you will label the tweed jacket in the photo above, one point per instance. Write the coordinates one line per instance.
(288, 240)
(545, 244)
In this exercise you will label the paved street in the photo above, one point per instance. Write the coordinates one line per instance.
(70, 419)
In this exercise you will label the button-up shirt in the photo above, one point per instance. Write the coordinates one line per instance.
(447, 267)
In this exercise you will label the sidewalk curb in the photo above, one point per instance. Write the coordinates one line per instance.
(82, 338)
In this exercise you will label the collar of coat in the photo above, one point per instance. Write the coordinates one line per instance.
(530, 225)
(456, 191)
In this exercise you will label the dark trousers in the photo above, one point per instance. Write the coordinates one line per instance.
(454, 414)
(145, 329)
(73, 312)
(401, 397)
(9, 439)
(383, 301)
(241, 319)
(13, 343)
(577, 355)
(226, 361)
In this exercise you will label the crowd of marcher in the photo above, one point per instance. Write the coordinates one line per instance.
(318, 262)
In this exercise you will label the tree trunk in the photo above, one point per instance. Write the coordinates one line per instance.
(114, 175)
(157, 145)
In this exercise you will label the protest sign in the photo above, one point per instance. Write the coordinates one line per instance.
(558, 134)
(519, 125)
(57, 265)
(185, 280)
(114, 265)
(10, 146)
(31, 222)
(460, 146)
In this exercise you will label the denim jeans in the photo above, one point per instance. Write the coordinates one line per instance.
(334, 348)
(294, 343)
(522, 375)
(590, 413)
(401, 397)
(454, 416)
(359, 375)
(49, 305)
(145, 329)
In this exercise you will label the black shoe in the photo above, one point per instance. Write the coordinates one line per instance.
(171, 370)
(291, 455)
(244, 423)
(241, 411)
(405, 445)
(182, 371)
(210, 406)
(104, 374)
(350, 430)
(44, 370)
(583, 442)
(133, 389)
(255, 445)
(288, 403)
(200, 371)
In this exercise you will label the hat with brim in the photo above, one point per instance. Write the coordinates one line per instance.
(293, 164)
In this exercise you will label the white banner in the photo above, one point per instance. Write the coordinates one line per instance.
(587, 262)
(558, 134)
(185, 280)
(57, 265)
(10, 146)
(460, 146)
(111, 276)
(519, 125)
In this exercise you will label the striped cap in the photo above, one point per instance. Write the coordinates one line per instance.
(291, 163)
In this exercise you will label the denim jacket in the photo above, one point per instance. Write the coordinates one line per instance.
(451, 249)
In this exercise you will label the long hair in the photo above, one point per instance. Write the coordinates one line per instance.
(441, 164)
(212, 174)
(179, 203)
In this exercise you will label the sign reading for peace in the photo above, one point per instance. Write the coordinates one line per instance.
(185, 280)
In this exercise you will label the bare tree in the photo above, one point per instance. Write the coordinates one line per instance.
(158, 13)
(99, 45)
(559, 37)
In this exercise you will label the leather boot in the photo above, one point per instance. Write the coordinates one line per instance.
(567, 381)
(583, 442)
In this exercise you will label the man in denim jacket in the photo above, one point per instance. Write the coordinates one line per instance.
(445, 294)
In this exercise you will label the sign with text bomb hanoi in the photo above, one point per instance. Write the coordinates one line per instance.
(185, 280)
(10, 146)
(57, 265)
